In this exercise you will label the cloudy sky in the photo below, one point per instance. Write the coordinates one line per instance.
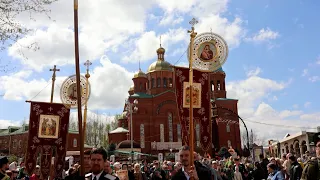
(272, 68)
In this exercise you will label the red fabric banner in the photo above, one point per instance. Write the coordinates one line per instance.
(201, 103)
(48, 129)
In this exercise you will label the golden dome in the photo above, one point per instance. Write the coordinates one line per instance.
(140, 74)
(124, 115)
(161, 50)
(160, 65)
(131, 88)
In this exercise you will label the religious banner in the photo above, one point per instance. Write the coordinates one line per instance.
(201, 104)
(48, 129)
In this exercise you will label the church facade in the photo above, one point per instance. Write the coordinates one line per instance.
(156, 125)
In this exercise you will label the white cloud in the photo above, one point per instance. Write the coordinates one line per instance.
(5, 123)
(56, 39)
(171, 19)
(318, 60)
(287, 113)
(305, 72)
(264, 35)
(107, 76)
(307, 104)
(314, 78)
(254, 72)
(146, 45)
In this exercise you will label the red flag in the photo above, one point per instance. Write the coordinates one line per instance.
(48, 129)
(201, 104)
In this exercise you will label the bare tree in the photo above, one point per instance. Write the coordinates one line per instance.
(10, 29)
(253, 138)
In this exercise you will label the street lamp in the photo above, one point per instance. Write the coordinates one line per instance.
(131, 107)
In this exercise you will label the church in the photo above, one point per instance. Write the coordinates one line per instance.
(156, 126)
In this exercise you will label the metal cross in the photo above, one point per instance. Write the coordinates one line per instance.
(193, 22)
(160, 41)
(50, 108)
(87, 64)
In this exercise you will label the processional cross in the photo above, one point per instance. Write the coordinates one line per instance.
(53, 79)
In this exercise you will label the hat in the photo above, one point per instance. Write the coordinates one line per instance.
(117, 165)
(3, 160)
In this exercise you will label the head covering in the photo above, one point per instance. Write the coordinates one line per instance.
(117, 165)
(3, 160)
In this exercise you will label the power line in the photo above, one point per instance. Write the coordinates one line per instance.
(280, 125)
(41, 90)
(180, 57)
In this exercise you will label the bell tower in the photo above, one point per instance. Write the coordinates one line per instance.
(217, 84)
(140, 81)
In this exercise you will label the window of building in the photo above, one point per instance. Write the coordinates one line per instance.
(170, 82)
(75, 142)
(158, 82)
(212, 85)
(140, 86)
(179, 132)
(161, 133)
(153, 85)
(229, 143)
(170, 127)
(142, 143)
(218, 85)
(14, 143)
(228, 128)
(165, 82)
(20, 143)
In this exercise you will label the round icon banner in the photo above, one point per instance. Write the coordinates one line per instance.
(68, 91)
(210, 52)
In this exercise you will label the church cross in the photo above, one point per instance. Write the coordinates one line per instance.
(53, 79)
(46, 154)
(87, 64)
(160, 41)
(193, 22)
(50, 108)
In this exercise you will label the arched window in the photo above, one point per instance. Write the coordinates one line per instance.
(153, 85)
(212, 85)
(142, 142)
(179, 132)
(165, 82)
(170, 82)
(170, 127)
(228, 128)
(218, 85)
(161, 133)
(140, 86)
(158, 82)
(75, 142)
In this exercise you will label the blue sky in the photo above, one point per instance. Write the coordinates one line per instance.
(272, 68)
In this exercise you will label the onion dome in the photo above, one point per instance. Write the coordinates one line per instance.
(140, 74)
(124, 115)
(160, 64)
(126, 144)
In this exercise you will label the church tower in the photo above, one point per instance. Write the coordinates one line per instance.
(160, 74)
(217, 84)
(140, 82)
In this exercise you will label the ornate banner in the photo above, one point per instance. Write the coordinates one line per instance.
(48, 129)
(201, 113)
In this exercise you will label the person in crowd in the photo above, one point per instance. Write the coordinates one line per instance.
(258, 173)
(138, 175)
(98, 158)
(295, 169)
(311, 169)
(190, 169)
(237, 174)
(274, 174)
(4, 164)
(36, 175)
(287, 166)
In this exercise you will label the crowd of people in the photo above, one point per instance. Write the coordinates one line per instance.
(289, 167)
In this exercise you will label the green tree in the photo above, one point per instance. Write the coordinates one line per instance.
(111, 149)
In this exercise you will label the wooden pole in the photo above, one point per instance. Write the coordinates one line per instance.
(76, 48)
(87, 63)
(191, 123)
(53, 80)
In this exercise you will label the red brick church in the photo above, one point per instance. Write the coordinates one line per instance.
(156, 127)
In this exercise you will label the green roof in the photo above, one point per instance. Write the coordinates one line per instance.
(21, 130)
(141, 95)
(224, 99)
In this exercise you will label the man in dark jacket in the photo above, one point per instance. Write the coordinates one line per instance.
(200, 172)
(296, 169)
